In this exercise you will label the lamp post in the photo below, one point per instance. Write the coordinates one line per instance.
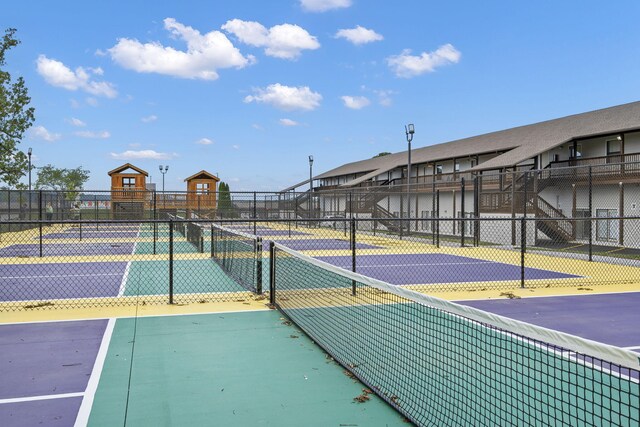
(163, 170)
(409, 130)
(29, 155)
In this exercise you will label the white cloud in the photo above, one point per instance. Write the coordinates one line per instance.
(288, 122)
(406, 65)
(57, 74)
(142, 154)
(323, 5)
(284, 41)
(286, 97)
(205, 54)
(359, 35)
(235, 146)
(384, 97)
(204, 141)
(257, 126)
(135, 145)
(93, 135)
(149, 119)
(77, 122)
(355, 102)
(40, 132)
(92, 102)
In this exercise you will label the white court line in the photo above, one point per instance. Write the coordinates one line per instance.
(94, 379)
(35, 398)
(123, 283)
(633, 347)
(60, 276)
(421, 264)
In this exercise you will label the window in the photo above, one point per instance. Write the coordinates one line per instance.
(614, 149)
(128, 182)
(202, 188)
(607, 229)
(474, 162)
(575, 153)
(438, 169)
(456, 167)
(425, 224)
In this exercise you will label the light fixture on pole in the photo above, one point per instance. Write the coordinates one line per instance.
(163, 170)
(409, 130)
(310, 173)
(29, 156)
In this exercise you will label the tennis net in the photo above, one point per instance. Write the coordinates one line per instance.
(239, 255)
(444, 364)
(195, 235)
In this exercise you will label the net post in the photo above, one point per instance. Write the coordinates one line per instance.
(272, 273)
(171, 225)
(259, 265)
(523, 248)
(353, 254)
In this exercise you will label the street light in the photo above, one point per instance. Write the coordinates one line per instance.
(163, 170)
(310, 173)
(29, 155)
(409, 130)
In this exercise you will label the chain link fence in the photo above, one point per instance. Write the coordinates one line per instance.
(174, 260)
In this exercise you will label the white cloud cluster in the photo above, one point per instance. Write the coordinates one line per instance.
(40, 132)
(77, 122)
(324, 5)
(204, 141)
(407, 65)
(286, 97)
(149, 119)
(355, 102)
(359, 35)
(93, 135)
(142, 154)
(205, 54)
(284, 41)
(288, 122)
(57, 74)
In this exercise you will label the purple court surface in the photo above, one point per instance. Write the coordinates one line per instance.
(62, 249)
(319, 244)
(75, 234)
(407, 269)
(608, 318)
(46, 361)
(28, 282)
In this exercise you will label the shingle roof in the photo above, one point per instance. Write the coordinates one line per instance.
(521, 143)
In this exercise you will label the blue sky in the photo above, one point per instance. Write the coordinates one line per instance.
(250, 89)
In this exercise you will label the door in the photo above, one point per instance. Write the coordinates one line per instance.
(607, 229)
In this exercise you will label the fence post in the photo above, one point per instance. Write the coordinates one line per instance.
(438, 221)
(462, 215)
(213, 243)
(95, 206)
(40, 234)
(621, 215)
(40, 205)
(476, 211)
(259, 265)
(255, 213)
(523, 248)
(170, 261)
(155, 224)
(433, 210)
(272, 273)
(353, 254)
(590, 215)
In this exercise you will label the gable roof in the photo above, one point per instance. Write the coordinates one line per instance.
(202, 174)
(128, 166)
(520, 143)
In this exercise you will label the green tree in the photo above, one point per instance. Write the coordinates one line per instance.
(384, 153)
(69, 180)
(15, 117)
(225, 205)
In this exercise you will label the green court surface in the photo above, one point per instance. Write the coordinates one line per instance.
(189, 276)
(226, 369)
